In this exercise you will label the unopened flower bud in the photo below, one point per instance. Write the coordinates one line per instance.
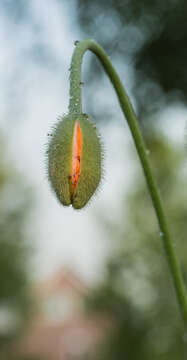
(74, 160)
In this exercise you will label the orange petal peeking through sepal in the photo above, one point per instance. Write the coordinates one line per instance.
(76, 155)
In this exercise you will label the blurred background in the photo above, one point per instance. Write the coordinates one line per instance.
(92, 284)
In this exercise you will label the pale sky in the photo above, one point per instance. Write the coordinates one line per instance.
(35, 56)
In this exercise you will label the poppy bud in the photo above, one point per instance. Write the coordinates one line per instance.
(74, 160)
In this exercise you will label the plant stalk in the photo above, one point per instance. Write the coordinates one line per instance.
(75, 106)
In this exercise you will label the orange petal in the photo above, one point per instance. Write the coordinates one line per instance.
(77, 151)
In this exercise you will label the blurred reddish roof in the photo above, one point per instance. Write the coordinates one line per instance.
(62, 330)
(63, 279)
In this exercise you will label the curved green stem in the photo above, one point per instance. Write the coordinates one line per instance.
(76, 107)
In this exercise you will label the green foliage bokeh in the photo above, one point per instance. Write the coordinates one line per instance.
(15, 297)
(137, 291)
